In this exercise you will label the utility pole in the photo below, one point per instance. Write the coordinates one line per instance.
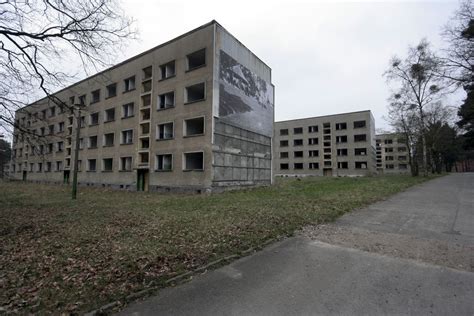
(76, 151)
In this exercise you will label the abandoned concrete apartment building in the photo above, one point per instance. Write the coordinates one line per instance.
(195, 113)
(392, 154)
(332, 145)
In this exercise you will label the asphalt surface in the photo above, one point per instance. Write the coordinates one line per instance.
(412, 254)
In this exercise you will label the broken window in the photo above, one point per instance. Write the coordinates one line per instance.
(145, 128)
(111, 90)
(327, 128)
(92, 142)
(127, 137)
(298, 142)
(389, 166)
(81, 143)
(94, 118)
(82, 99)
(388, 141)
(51, 129)
(164, 131)
(164, 162)
(52, 111)
(146, 86)
(388, 158)
(144, 143)
(125, 163)
(168, 70)
(129, 84)
(144, 158)
(82, 122)
(40, 167)
(194, 161)
(127, 110)
(193, 127)
(402, 166)
(361, 164)
(313, 165)
(49, 167)
(283, 143)
(284, 155)
(360, 138)
(298, 166)
(91, 164)
(298, 130)
(166, 100)
(298, 154)
(50, 148)
(341, 126)
(327, 144)
(402, 149)
(195, 93)
(342, 152)
(360, 151)
(389, 150)
(109, 139)
(196, 59)
(328, 163)
(59, 165)
(284, 166)
(313, 129)
(61, 127)
(283, 132)
(402, 158)
(109, 115)
(359, 124)
(107, 164)
(313, 141)
(341, 139)
(147, 73)
(342, 165)
(327, 156)
(60, 146)
(313, 153)
(95, 96)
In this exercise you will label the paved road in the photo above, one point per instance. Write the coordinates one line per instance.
(411, 254)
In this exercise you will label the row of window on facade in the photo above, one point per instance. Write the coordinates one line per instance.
(389, 141)
(315, 165)
(341, 152)
(163, 162)
(392, 149)
(315, 128)
(391, 158)
(326, 140)
(401, 166)
(168, 70)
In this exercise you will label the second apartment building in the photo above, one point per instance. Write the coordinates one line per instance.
(332, 145)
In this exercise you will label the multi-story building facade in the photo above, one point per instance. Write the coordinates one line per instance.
(332, 145)
(392, 154)
(193, 113)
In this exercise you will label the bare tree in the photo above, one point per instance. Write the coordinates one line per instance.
(46, 44)
(419, 84)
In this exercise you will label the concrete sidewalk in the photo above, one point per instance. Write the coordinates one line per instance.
(370, 262)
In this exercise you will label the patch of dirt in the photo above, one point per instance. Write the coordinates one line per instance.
(443, 253)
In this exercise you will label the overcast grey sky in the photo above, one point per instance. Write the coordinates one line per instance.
(326, 57)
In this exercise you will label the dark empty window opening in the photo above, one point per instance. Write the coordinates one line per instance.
(388, 141)
(168, 70)
(129, 84)
(166, 100)
(343, 165)
(342, 152)
(341, 126)
(95, 96)
(313, 165)
(109, 139)
(147, 73)
(284, 166)
(341, 139)
(402, 166)
(313, 129)
(144, 158)
(146, 100)
(111, 90)
(194, 161)
(284, 132)
(195, 93)
(298, 130)
(107, 164)
(298, 154)
(109, 115)
(125, 163)
(91, 165)
(144, 143)
(361, 165)
(146, 86)
(94, 118)
(145, 128)
(327, 150)
(127, 110)
(327, 156)
(313, 141)
(283, 155)
(313, 153)
(360, 138)
(298, 142)
(360, 151)
(164, 162)
(327, 137)
(388, 158)
(283, 143)
(164, 131)
(194, 127)
(327, 144)
(93, 142)
(359, 124)
(196, 59)
(298, 166)
(82, 100)
(127, 136)
(328, 163)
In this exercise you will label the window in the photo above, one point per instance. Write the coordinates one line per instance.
(82, 121)
(81, 143)
(166, 100)
(402, 158)
(111, 90)
(284, 166)
(388, 158)
(82, 100)
(32, 167)
(147, 73)
(164, 131)
(298, 130)
(313, 153)
(313, 141)
(125, 163)
(40, 167)
(92, 142)
(195, 93)
(107, 164)
(91, 164)
(298, 166)
(168, 70)
(196, 59)
(52, 111)
(341, 126)
(389, 150)
(284, 132)
(95, 96)
(51, 129)
(298, 154)
(109, 139)
(70, 120)
(327, 156)
(164, 162)
(60, 146)
(342, 152)
(79, 164)
(342, 165)
(359, 124)
(360, 151)
(194, 161)
(283, 155)
(193, 127)
(50, 148)
(109, 115)
(49, 167)
(129, 84)
(388, 141)
(127, 110)
(341, 139)
(298, 142)
(402, 149)
(283, 143)
(402, 166)
(61, 127)
(361, 165)
(94, 118)
(313, 129)
(313, 165)
(43, 114)
(360, 138)
(59, 165)
(389, 166)
(127, 137)
(72, 100)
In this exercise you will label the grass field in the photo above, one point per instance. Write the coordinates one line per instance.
(59, 255)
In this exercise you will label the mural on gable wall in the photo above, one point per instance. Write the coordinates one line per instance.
(245, 100)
